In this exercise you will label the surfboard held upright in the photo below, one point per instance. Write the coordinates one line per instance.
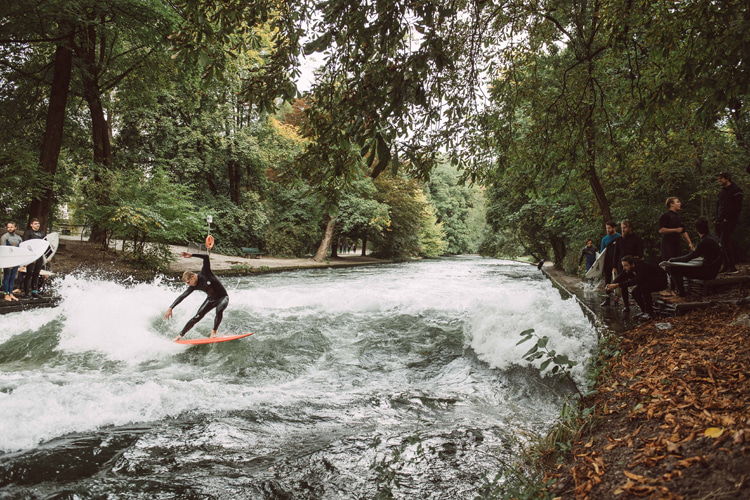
(597, 268)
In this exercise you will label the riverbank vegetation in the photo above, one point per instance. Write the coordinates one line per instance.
(143, 117)
(665, 416)
(668, 418)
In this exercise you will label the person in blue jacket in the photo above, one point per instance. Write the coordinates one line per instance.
(206, 281)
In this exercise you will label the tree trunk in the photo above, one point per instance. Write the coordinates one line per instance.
(53, 133)
(235, 177)
(334, 247)
(559, 250)
(99, 130)
(320, 255)
(593, 177)
(364, 246)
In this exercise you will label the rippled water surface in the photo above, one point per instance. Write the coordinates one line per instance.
(401, 378)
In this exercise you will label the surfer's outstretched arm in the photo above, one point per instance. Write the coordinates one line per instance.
(206, 261)
(179, 299)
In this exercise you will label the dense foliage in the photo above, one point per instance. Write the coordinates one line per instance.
(144, 117)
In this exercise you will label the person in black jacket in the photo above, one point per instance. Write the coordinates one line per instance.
(728, 207)
(646, 278)
(672, 230)
(629, 244)
(31, 278)
(609, 258)
(709, 249)
(206, 281)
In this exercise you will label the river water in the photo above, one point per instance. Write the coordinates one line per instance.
(399, 380)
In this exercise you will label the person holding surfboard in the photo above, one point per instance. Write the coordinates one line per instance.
(589, 253)
(9, 274)
(206, 281)
(31, 278)
(709, 249)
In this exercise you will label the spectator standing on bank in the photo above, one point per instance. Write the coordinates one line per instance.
(9, 274)
(672, 230)
(589, 253)
(609, 258)
(31, 278)
(728, 207)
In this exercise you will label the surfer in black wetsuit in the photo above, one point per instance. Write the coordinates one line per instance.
(207, 282)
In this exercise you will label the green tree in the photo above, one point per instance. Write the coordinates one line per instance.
(411, 219)
(454, 203)
(149, 213)
(360, 216)
(295, 216)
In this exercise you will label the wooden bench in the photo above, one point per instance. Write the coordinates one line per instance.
(700, 293)
(252, 252)
(707, 287)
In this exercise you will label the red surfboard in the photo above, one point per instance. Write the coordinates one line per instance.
(212, 340)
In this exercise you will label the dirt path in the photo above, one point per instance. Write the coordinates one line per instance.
(77, 255)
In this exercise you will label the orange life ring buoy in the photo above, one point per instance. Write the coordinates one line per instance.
(209, 242)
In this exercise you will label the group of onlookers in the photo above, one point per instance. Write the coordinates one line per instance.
(624, 267)
(31, 279)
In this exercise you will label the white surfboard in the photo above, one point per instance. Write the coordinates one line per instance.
(25, 253)
(54, 242)
(697, 262)
(597, 268)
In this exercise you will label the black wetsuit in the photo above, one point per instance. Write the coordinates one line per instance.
(646, 278)
(31, 278)
(217, 295)
(728, 208)
(589, 252)
(670, 242)
(632, 245)
(710, 249)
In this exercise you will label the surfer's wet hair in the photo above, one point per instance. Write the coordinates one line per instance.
(724, 175)
(611, 224)
(629, 259)
(187, 275)
(701, 225)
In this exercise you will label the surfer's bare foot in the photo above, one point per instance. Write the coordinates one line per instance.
(213, 335)
(12, 297)
(7, 297)
(179, 337)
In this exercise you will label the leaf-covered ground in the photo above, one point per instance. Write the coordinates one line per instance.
(672, 415)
